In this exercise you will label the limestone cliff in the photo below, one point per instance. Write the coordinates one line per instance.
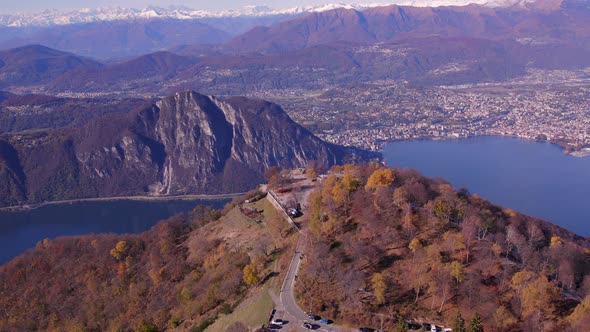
(185, 143)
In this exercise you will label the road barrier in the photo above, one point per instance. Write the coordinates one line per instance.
(277, 204)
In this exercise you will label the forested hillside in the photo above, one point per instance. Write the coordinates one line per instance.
(391, 243)
(380, 244)
(183, 273)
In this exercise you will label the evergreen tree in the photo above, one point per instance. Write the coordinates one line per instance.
(475, 324)
(459, 323)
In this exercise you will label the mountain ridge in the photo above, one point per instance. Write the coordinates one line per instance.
(35, 64)
(186, 143)
(106, 13)
(546, 20)
(86, 15)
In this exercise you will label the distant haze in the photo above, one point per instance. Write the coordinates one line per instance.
(7, 6)
(10, 7)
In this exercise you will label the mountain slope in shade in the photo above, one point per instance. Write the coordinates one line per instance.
(154, 66)
(312, 29)
(32, 112)
(428, 60)
(5, 95)
(36, 64)
(12, 178)
(185, 143)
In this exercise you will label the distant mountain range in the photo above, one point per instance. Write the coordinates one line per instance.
(105, 39)
(124, 32)
(86, 15)
(423, 45)
(550, 21)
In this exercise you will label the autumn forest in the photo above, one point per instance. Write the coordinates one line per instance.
(383, 245)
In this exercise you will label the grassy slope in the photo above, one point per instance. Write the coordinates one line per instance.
(252, 312)
(236, 228)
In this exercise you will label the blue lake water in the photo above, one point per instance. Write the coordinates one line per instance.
(534, 178)
(21, 230)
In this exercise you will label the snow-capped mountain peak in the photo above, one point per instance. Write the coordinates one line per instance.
(87, 15)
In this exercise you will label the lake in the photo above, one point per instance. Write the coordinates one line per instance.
(21, 230)
(534, 178)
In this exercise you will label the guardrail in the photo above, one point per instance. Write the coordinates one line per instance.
(277, 204)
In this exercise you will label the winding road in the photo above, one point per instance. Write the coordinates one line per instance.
(286, 306)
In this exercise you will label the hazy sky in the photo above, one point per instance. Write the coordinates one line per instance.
(11, 6)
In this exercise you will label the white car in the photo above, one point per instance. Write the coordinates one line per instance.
(277, 321)
(431, 327)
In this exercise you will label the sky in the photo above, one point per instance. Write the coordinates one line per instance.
(12, 6)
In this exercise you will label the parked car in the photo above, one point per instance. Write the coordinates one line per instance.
(278, 321)
(326, 321)
(431, 327)
(413, 326)
(447, 329)
(293, 212)
(366, 329)
(307, 325)
(314, 317)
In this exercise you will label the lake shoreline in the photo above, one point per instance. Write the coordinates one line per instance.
(535, 179)
(21, 228)
(28, 207)
(579, 153)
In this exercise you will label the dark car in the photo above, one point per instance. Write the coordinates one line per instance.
(314, 317)
(293, 212)
(307, 325)
(413, 326)
(366, 329)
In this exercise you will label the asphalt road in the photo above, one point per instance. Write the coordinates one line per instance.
(287, 308)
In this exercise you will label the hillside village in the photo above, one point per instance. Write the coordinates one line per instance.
(544, 105)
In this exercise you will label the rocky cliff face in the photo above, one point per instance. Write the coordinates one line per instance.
(185, 143)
